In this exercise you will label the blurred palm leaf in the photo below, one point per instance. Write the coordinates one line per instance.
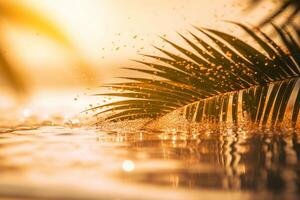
(12, 76)
(292, 7)
(22, 15)
(30, 18)
(227, 81)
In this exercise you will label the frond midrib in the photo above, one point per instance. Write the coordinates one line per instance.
(255, 85)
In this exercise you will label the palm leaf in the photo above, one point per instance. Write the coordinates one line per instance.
(24, 16)
(27, 17)
(12, 77)
(291, 7)
(225, 81)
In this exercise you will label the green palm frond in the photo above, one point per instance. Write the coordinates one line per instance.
(291, 7)
(226, 81)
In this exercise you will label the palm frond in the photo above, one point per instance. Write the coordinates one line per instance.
(25, 16)
(225, 81)
(11, 76)
(291, 7)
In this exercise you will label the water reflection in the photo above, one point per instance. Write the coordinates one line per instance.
(255, 162)
(266, 165)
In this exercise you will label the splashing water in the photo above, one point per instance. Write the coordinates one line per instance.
(62, 157)
(83, 163)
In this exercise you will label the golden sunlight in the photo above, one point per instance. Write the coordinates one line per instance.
(149, 99)
(105, 34)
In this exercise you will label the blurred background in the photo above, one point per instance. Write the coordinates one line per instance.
(55, 53)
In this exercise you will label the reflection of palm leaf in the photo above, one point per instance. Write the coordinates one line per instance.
(217, 84)
(292, 5)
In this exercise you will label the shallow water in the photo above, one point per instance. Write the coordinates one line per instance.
(57, 162)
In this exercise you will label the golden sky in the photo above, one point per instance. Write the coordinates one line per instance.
(106, 34)
(110, 32)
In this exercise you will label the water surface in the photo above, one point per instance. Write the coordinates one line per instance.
(58, 162)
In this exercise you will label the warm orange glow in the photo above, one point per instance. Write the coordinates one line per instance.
(105, 33)
(109, 33)
(202, 108)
